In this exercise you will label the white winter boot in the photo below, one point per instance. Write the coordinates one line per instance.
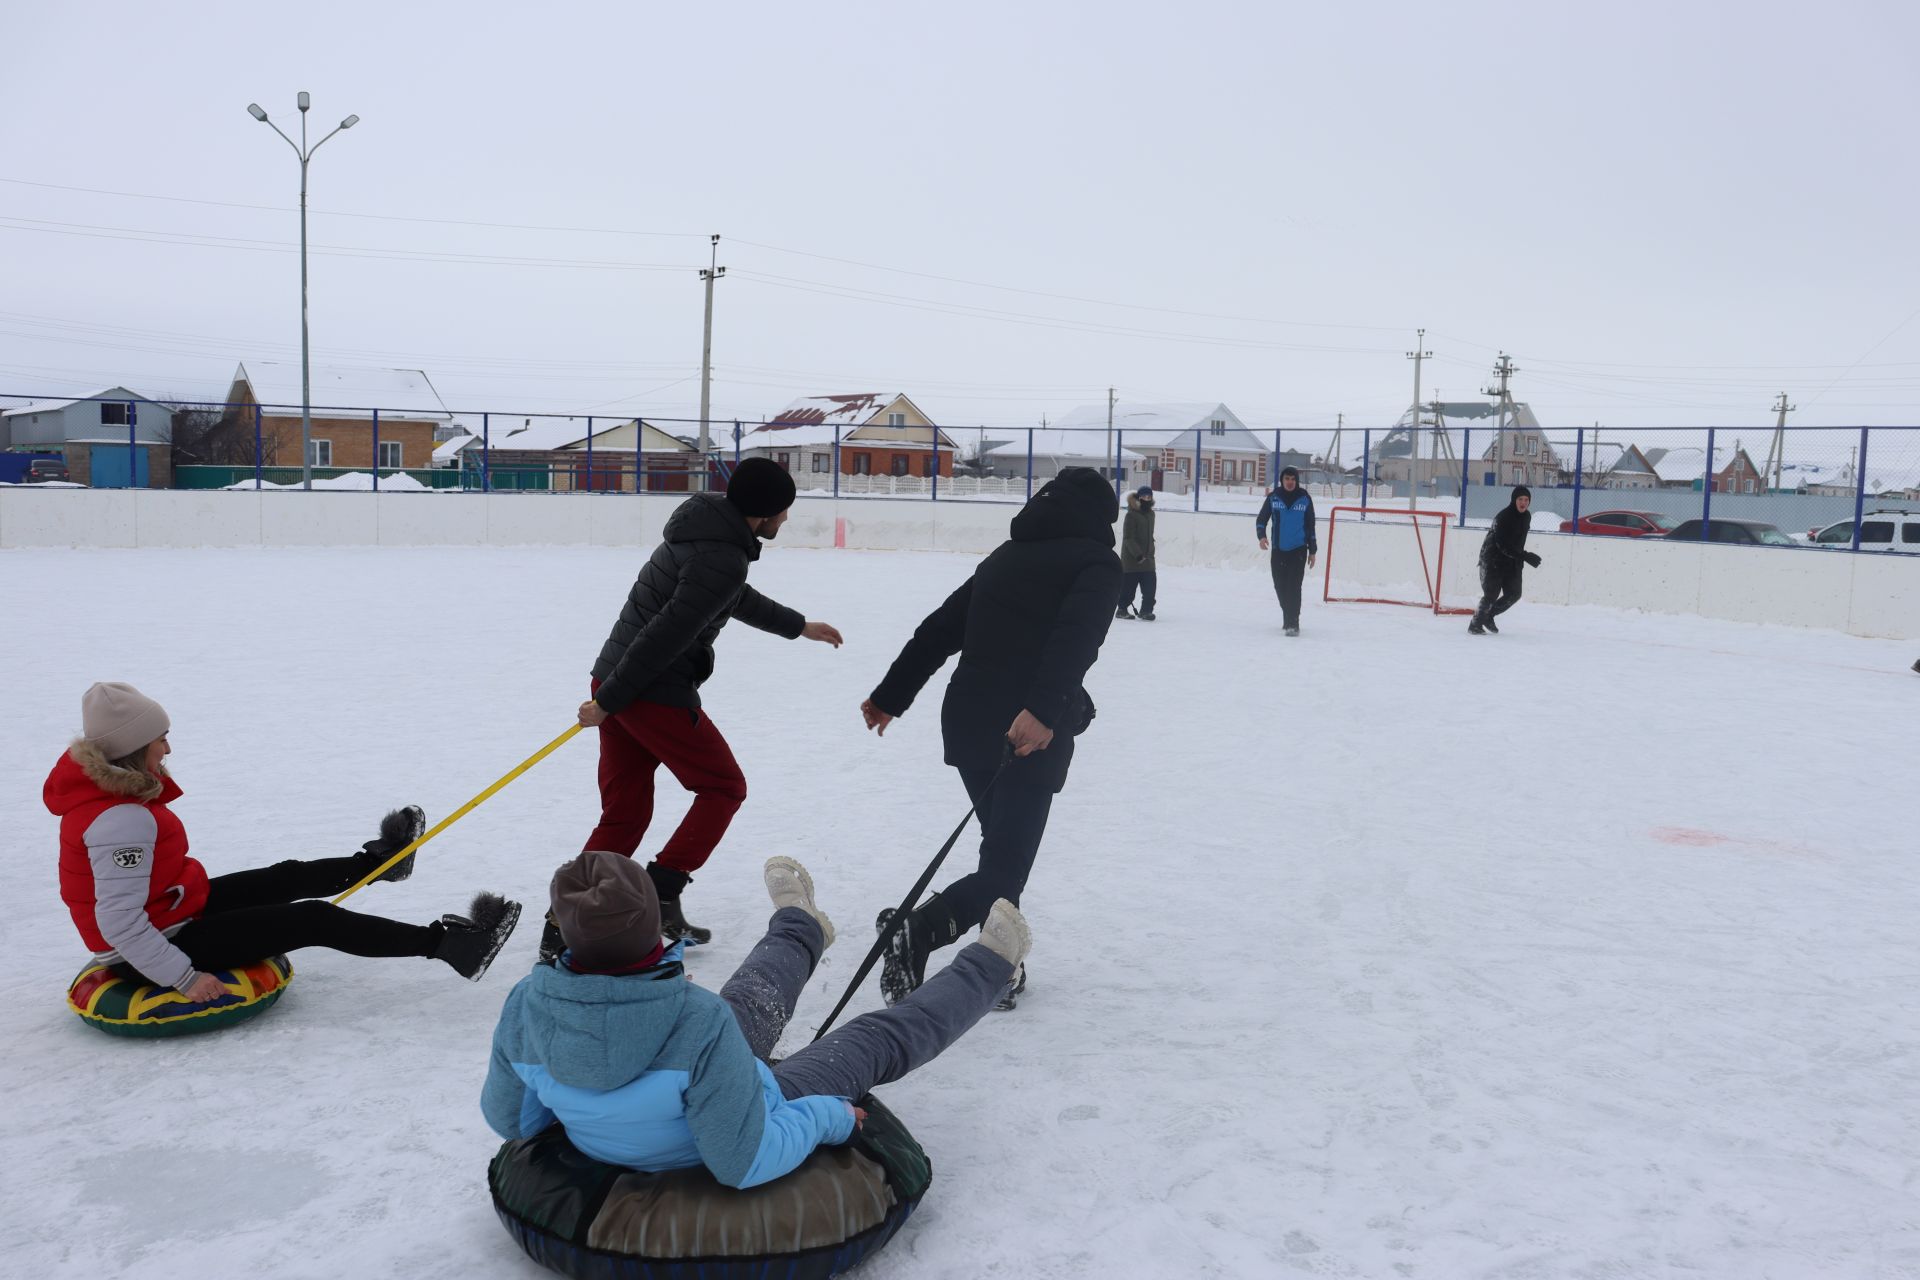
(789, 885)
(1006, 934)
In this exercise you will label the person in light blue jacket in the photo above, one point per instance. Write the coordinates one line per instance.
(648, 1071)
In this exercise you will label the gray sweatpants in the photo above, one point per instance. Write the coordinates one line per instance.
(875, 1048)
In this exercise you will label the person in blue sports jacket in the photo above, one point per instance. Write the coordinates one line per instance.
(1289, 509)
(648, 1071)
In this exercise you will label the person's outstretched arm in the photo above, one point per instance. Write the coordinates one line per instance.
(741, 1140)
(936, 639)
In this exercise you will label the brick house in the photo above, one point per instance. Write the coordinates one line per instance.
(1685, 468)
(349, 406)
(576, 454)
(1149, 443)
(879, 434)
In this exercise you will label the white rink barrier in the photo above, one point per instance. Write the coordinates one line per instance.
(1867, 595)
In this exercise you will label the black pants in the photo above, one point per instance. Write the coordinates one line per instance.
(252, 914)
(1146, 582)
(1289, 569)
(1013, 817)
(1499, 587)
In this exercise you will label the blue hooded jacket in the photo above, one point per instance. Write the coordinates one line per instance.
(649, 1072)
(1292, 517)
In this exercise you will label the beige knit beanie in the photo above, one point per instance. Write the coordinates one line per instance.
(119, 719)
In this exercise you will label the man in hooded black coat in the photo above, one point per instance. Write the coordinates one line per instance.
(1027, 625)
(1502, 556)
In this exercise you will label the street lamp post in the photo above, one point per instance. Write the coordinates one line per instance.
(305, 153)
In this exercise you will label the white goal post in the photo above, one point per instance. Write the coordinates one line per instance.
(1397, 554)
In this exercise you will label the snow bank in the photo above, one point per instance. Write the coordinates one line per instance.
(351, 482)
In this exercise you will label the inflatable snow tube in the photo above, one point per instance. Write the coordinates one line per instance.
(594, 1221)
(125, 1007)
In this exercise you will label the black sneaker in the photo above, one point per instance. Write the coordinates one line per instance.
(1123, 612)
(1147, 616)
(1292, 631)
(397, 830)
(903, 965)
(469, 943)
(1491, 629)
(1476, 628)
(1015, 985)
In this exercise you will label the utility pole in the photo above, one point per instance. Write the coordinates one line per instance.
(1109, 453)
(1504, 370)
(1417, 355)
(709, 274)
(1776, 453)
(1333, 450)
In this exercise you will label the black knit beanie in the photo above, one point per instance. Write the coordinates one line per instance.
(1520, 491)
(760, 487)
(1091, 490)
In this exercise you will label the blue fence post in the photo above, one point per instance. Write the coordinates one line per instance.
(256, 447)
(1859, 489)
(1274, 472)
(1119, 451)
(376, 451)
(1466, 460)
(936, 464)
(1198, 440)
(639, 457)
(486, 467)
(1366, 465)
(736, 443)
(589, 453)
(133, 448)
(1706, 491)
(836, 462)
(1579, 463)
(1029, 464)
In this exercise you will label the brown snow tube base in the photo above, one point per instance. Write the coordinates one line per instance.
(596, 1222)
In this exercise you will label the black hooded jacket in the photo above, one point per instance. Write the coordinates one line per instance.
(1027, 625)
(1506, 541)
(661, 649)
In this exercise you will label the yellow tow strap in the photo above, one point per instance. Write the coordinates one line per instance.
(460, 813)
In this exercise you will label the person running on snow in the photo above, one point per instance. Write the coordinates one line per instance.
(1295, 546)
(144, 906)
(1028, 625)
(646, 683)
(1501, 556)
(648, 1071)
(1136, 555)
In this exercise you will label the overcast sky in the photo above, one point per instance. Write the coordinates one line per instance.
(1668, 212)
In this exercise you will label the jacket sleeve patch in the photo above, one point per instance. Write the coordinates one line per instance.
(130, 857)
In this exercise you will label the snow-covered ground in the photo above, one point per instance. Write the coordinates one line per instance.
(1586, 950)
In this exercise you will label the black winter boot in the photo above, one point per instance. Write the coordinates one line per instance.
(470, 942)
(397, 830)
(903, 965)
(668, 885)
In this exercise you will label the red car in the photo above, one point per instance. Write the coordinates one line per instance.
(1624, 524)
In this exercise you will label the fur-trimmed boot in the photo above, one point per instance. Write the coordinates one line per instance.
(397, 830)
(470, 942)
(674, 926)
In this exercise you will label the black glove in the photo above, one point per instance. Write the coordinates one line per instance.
(1531, 558)
(1087, 714)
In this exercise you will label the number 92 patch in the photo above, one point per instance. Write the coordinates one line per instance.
(130, 857)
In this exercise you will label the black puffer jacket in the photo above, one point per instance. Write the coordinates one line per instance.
(1506, 541)
(1027, 625)
(661, 649)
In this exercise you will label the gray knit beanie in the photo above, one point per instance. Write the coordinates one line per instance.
(119, 719)
(607, 910)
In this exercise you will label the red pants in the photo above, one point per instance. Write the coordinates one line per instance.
(635, 742)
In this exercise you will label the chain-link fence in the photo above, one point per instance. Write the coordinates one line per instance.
(1830, 487)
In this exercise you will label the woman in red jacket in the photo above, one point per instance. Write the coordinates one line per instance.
(141, 902)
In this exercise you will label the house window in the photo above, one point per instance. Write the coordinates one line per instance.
(822, 463)
(322, 453)
(1218, 426)
(1533, 446)
(926, 465)
(900, 461)
(896, 419)
(1180, 465)
(863, 464)
(785, 460)
(113, 413)
(1749, 486)
(390, 455)
(1519, 475)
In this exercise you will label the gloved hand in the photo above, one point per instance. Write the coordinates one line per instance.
(1531, 558)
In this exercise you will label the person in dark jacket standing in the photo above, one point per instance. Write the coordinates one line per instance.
(1028, 625)
(1294, 543)
(1136, 556)
(646, 683)
(1502, 555)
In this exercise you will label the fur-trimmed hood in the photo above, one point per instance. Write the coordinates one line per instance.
(83, 775)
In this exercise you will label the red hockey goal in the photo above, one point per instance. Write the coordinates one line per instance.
(1400, 556)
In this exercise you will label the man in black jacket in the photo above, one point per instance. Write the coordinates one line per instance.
(646, 683)
(1027, 625)
(1501, 556)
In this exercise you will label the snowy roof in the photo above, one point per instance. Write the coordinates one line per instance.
(1056, 442)
(1804, 475)
(1593, 455)
(1475, 416)
(843, 411)
(1676, 465)
(52, 406)
(1156, 426)
(775, 435)
(346, 391)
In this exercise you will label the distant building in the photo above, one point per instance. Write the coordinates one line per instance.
(1686, 468)
(1518, 453)
(524, 452)
(113, 438)
(874, 434)
(348, 405)
(1165, 445)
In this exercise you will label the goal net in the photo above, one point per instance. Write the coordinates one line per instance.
(1385, 555)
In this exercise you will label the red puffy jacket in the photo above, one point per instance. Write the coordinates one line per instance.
(82, 789)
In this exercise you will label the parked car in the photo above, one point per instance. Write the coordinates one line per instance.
(1749, 532)
(1879, 531)
(1623, 524)
(41, 470)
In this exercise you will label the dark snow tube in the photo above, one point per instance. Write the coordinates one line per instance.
(598, 1222)
(125, 1007)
